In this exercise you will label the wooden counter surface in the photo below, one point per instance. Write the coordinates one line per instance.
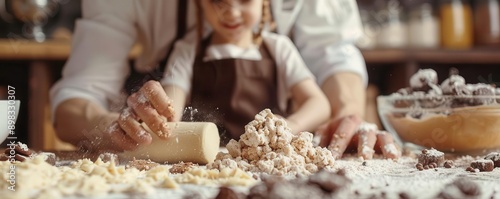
(377, 178)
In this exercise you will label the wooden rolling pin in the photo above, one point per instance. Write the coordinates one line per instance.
(196, 142)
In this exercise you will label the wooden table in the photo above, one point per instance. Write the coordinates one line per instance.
(377, 178)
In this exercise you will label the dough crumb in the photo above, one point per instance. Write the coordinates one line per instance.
(268, 146)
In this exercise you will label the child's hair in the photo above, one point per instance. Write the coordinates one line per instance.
(266, 20)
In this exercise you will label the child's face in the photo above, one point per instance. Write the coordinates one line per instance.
(232, 20)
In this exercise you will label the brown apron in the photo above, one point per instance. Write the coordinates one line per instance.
(230, 92)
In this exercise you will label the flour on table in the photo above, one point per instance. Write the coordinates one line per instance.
(384, 178)
(213, 177)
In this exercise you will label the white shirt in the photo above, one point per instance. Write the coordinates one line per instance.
(322, 30)
(291, 69)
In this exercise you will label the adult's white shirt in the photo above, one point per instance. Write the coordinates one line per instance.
(323, 31)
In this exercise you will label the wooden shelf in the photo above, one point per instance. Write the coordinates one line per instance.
(59, 50)
(11, 49)
(16, 49)
(437, 56)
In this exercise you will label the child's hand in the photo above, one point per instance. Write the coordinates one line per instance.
(339, 134)
(150, 105)
(109, 136)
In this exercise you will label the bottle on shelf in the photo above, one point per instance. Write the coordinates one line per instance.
(487, 23)
(456, 24)
(368, 13)
(423, 25)
(393, 28)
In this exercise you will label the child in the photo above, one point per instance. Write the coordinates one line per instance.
(237, 72)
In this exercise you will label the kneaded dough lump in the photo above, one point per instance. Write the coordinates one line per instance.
(269, 146)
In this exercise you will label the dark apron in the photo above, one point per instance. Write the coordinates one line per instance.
(136, 79)
(230, 92)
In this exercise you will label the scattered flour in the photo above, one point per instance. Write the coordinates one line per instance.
(365, 127)
(382, 178)
(142, 98)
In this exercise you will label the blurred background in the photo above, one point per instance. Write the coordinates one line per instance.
(400, 36)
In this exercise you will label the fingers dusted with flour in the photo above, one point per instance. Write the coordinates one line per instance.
(387, 145)
(366, 135)
(119, 138)
(366, 143)
(149, 115)
(339, 133)
(351, 133)
(150, 105)
(153, 91)
(128, 121)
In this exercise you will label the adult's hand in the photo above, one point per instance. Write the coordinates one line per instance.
(341, 135)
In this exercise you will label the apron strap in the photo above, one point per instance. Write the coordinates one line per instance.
(182, 11)
(203, 48)
(136, 79)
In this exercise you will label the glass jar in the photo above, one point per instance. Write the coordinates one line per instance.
(487, 23)
(393, 29)
(456, 24)
(423, 26)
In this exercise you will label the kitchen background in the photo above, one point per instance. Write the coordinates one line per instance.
(400, 36)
